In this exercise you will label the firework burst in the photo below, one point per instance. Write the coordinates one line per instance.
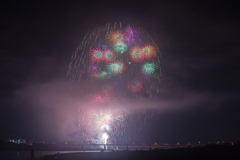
(104, 75)
(109, 56)
(131, 34)
(97, 55)
(118, 37)
(92, 69)
(120, 47)
(135, 85)
(136, 54)
(148, 68)
(116, 67)
(148, 51)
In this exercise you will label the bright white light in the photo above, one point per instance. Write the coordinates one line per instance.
(105, 126)
(108, 117)
(105, 137)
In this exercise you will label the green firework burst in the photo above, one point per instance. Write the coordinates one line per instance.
(120, 47)
(148, 68)
(116, 67)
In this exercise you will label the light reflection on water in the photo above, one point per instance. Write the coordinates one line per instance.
(25, 155)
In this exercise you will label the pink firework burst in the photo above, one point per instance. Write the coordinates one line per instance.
(118, 37)
(135, 85)
(136, 54)
(148, 51)
(97, 55)
(102, 97)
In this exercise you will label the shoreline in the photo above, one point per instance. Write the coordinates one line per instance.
(208, 152)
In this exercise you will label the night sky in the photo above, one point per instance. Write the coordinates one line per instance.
(200, 46)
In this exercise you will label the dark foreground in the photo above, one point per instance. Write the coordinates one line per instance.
(207, 152)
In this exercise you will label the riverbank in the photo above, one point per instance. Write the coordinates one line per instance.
(208, 152)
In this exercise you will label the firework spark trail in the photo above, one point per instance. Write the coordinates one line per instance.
(120, 125)
(94, 122)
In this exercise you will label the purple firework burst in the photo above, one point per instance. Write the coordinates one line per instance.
(92, 69)
(131, 34)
